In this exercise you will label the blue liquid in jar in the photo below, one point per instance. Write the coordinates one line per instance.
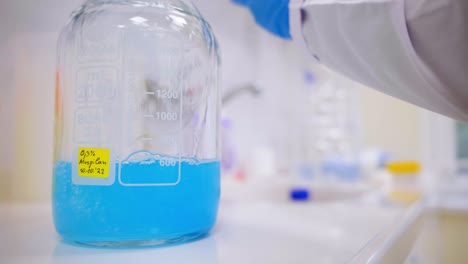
(116, 213)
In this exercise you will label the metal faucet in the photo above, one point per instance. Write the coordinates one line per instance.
(236, 92)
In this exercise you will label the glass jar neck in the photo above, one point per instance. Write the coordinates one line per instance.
(172, 2)
(185, 5)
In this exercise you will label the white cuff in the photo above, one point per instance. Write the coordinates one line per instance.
(295, 26)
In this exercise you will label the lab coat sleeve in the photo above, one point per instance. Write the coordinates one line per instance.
(415, 50)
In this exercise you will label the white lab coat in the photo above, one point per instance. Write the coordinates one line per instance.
(415, 50)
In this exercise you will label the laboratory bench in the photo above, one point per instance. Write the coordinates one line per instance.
(246, 232)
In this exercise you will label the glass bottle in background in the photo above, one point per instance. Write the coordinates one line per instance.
(137, 124)
(324, 128)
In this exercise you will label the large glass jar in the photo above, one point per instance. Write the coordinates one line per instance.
(137, 124)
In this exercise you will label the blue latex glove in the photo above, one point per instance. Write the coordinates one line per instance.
(273, 15)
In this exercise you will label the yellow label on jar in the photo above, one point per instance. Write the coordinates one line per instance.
(93, 162)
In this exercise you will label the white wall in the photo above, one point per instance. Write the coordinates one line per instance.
(28, 31)
(391, 124)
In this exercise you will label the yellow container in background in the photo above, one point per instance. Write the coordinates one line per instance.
(405, 169)
(405, 181)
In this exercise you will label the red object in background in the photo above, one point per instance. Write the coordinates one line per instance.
(240, 175)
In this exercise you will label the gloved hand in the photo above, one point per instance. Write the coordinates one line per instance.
(273, 15)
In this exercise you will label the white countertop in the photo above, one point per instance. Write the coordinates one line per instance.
(259, 232)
